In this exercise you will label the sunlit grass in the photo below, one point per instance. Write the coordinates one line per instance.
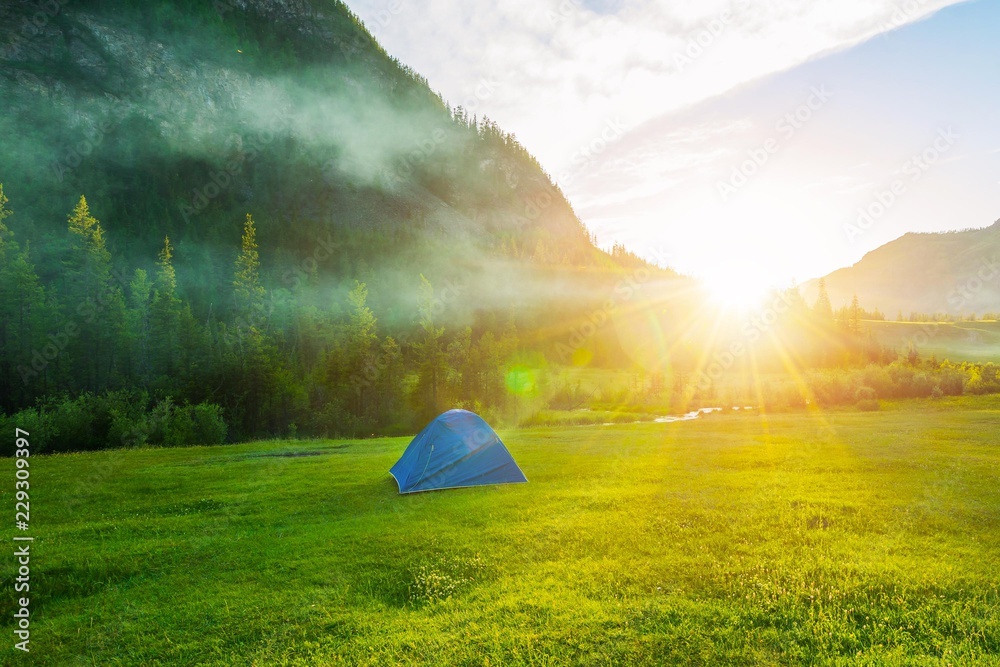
(856, 538)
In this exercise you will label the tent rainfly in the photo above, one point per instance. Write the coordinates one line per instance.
(455, 450)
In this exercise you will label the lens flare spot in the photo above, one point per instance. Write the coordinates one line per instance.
(522, 380)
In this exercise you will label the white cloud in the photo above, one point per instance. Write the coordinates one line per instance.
(568, 68)
(569, 65)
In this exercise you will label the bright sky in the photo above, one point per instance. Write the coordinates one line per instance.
(738, 138)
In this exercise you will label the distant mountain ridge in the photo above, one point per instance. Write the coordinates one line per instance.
(957, 273)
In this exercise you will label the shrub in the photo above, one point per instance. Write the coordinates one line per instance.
(30, 420)
(568, 397)
(878, 379)
(115, 419)
(209, 426)
(867, 405)
(91, 422)
(832, 388)
(179, 429)
(333, 420)
(71, 425)
(130, 424)
(983, 380)
(952, 382)
(175, 426)
(865, 394)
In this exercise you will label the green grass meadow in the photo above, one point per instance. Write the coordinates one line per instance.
(801, 538)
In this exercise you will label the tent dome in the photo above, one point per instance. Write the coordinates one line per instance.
(458, 448)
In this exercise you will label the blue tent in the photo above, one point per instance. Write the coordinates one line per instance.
(457, 449)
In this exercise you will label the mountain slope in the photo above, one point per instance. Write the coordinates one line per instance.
(346, 253)
(179, 117)
(954, 272)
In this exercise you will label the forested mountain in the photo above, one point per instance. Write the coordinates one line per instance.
(249, 204)
(957, 273)
(177, 118)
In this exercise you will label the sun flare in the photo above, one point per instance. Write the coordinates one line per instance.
(735, 290)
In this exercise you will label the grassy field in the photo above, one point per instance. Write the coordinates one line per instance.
(958, 341)
(845, 538)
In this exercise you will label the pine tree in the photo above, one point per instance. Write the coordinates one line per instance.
(822, 307)
(166, 277)
(249, 293)
(24, 315)
(253, 363)
(7, 246)
(165, 315)
(854, 316)
(359, 352)
(431, 358)
(390, 372)
(140, 295)
(5, 234)
(460, 358)
(88, 230)
(100, 306)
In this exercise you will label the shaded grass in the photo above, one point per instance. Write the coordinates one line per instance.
(838, 538)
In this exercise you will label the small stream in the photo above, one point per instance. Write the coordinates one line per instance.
(669, 419)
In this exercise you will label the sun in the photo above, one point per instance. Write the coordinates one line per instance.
(735, 290)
